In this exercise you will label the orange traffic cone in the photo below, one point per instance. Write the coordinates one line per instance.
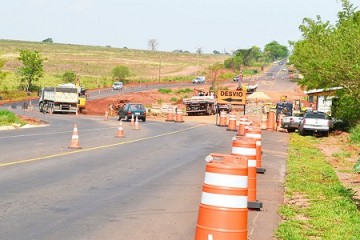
(106, 117)
(136, 125)
(132, 120)
(120, 131)
(75, 143)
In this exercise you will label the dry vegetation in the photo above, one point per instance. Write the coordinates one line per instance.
(95, 63)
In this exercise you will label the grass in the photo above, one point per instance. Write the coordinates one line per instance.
(95, 63)
(7, 118)
(318, 206)
(355, 134)
(165, 90)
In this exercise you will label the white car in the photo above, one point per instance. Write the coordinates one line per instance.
(117, 86)
(198, 80)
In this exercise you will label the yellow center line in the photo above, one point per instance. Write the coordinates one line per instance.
(96, 148)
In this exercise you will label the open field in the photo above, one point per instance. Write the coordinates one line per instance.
(95, 63)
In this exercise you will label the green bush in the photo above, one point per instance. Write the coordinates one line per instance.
(8, 118)
(174, 99)
(165, 90)
(184, 90)
(355, 134)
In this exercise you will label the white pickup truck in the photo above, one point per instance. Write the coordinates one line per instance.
(314, 122)
(291, 123)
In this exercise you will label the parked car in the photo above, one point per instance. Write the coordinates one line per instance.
(128, 110)
(291, 123)
(315, 122)
(117, 86)
(198, 80)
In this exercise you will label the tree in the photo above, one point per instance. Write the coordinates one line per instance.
(199, 50)
(69, 77)
(213, 72)
(48, 40)
(32, 70)
(120, 73)
(216, 52)
(275, 51)
(329, 56)
(153, 44)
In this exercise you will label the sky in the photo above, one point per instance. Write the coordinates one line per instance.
(221, 25)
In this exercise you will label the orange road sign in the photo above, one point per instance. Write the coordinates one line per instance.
(231, 97)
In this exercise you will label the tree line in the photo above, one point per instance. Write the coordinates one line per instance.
(329, 56)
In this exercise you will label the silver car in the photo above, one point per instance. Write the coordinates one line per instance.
(117, 86)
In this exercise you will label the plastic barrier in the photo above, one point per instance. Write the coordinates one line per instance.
(246, 147)
(223, 212)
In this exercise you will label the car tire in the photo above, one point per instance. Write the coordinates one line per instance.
(144, 119)
(126, 118)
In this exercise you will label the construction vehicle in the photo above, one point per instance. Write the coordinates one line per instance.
(203, 102)
(63, 98)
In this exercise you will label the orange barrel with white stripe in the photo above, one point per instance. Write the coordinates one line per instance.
(263, 122)
(179, 116)
(170, 115)
(246, 147)
(255, 132)
(223, 212)
(222, 120)
(270, 120)
(232, 122)
(241, 129)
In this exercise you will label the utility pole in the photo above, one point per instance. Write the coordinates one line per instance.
(159, 66)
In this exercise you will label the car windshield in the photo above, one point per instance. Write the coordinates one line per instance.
(316, 115)
(136, 107)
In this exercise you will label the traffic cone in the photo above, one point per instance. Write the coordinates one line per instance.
(75, 143)
(106, 117)
(136, 125)
(132, 120)
(120, 131)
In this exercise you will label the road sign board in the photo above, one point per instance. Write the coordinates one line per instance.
(231, 97)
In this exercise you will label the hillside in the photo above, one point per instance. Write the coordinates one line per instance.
(94, 63)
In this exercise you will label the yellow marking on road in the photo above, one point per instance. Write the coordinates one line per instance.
(96, 148)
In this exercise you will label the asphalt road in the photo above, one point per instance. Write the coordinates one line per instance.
(144, 186)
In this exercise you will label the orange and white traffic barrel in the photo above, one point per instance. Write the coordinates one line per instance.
(179, 116)
(222, 120)
(270, 121)
(223, 212)
(263, 122)
(170, 115)
(232, 122)
(255, 132)
(246, 147)
(241, 129)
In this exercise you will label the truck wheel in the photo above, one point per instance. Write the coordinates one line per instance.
(291, 130)
(208, 110)
(41, 107)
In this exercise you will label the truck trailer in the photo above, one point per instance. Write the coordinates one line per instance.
(58, 99)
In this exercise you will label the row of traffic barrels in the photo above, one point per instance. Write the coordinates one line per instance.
(229, 188)
(269, 121)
